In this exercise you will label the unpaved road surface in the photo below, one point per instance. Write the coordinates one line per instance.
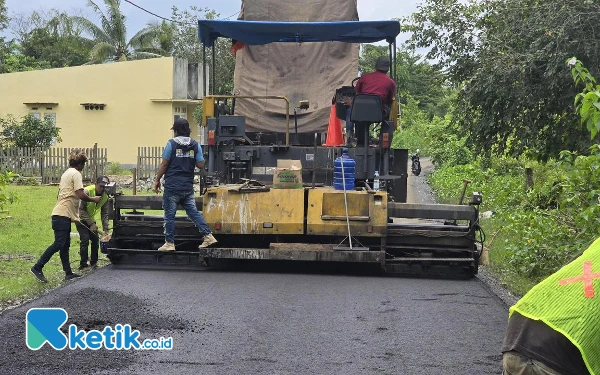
(271, 320)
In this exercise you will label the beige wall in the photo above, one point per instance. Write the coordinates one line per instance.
(129, 119)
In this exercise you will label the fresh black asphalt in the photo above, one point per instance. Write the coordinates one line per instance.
(272, 320)
(278, 322)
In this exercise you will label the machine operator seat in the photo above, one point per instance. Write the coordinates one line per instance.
(366, 110)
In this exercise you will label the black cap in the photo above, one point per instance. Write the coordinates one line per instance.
(383, 64)
(102, 180)
(181, 124)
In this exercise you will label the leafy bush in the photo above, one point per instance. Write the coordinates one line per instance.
(539, 229)
(29, 132)
(115, 168)
(25, 181)
(539, 242)
(6, 198)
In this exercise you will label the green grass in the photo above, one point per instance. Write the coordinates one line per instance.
(496, 237)
(24, 237)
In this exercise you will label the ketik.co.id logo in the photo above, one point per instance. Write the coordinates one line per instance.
(43, 326)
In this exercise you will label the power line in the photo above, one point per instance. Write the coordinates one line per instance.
(233, 15)
(170, 19)
(156, 15)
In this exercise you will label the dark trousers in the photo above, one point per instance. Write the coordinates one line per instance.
(62, 241)
(85, 236)
(515, 364)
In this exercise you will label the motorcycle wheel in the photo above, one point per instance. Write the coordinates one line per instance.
(416, 169)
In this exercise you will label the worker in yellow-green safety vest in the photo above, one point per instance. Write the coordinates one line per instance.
(87, 227)
(555, 328)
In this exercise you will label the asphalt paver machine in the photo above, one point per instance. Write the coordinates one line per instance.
(308, 220)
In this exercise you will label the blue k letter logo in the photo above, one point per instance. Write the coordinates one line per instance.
(43, 325)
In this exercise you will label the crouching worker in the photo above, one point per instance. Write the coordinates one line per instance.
(179, 159)
(70, 191)
(87, 227)
(555, 328)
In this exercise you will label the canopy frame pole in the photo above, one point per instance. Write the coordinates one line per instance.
(212, 85)
(203, 70)
(391, 55)
(394, 62)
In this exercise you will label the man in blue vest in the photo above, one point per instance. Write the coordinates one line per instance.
(181, 155)
(87, 227)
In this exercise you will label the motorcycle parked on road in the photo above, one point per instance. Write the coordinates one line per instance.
(415, 163)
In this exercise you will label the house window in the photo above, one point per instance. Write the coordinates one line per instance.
(179, 112)
(37, 115)
(51, 116)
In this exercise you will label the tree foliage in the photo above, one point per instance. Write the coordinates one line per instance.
(3, 25)
(12, 61)
(587, 101)
(3, 15)
(110, 38)
(29, 132)
(56, 40)
(188, 47)
(507, 57)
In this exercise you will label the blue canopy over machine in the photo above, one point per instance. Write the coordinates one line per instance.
(263, 32)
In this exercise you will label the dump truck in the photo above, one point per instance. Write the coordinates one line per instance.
(259, 216)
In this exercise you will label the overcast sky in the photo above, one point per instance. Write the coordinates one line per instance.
(368, 10)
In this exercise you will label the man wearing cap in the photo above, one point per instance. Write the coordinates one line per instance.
(87, 227)
(375, 83)
(70, 191)
(181, 155)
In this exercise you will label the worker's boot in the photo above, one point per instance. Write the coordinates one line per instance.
(349, 138)
(71, 276)
(168, 246)
(209, 239)
(38, 274)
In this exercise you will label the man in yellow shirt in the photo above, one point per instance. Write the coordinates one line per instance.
(70, 191)
(87, 227)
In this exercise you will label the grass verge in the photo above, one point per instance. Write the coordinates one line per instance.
(24, 237)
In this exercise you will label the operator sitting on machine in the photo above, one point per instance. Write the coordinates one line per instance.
(375, 83)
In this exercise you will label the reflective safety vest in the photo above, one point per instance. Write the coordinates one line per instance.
(93, 208)
(568, 301)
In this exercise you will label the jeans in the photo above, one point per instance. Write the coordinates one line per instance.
(62, 241)
(186, 198)
(85, 236)
(349, 124)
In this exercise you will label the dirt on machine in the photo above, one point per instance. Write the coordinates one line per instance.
(268, 192)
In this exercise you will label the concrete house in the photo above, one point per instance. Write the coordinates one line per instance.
(119, 106)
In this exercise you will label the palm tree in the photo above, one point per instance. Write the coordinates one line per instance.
(110, 39)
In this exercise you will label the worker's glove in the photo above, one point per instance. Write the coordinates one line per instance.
(94, 228)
